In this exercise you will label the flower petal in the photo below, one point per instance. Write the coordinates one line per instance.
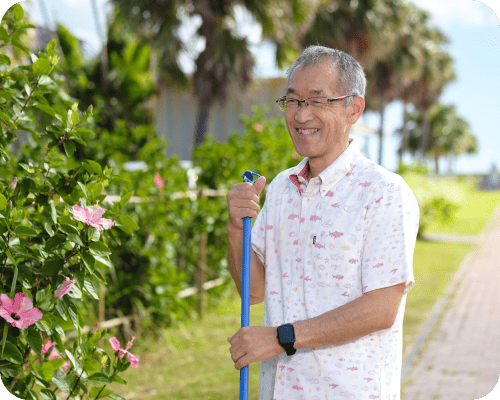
(46, 347)
(28, 317)
(115, 344)
(134, 362)
(80, 213)
(96, 213)
(64, 287)
(106, 223)
(7, 303)
(22, 302)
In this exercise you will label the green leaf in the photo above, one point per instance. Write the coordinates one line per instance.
(100, 379)
(69, 147)
(89, 261)
(90, 288)
(11, 353)
(75, 239)
(61, 384)
(46, 109)
(4, 59)
(105, 260)
(57, 362)
(91, 366)
(34, 339)
(62, 309)
(44, 324)
(116, 396)
(128, 221)
(46, 370)
(41, 67)
(18, 12)
(67, 228)
(95, 390)
(75, 362)
(48, 394)
(52, 265)
(125, 198)
(4, 35)
(99, 249)
(119, 379)
(53, 212)
(22, 230)
(95, 189)
(95, 167)
(76, 293)
(55, 242)
(3, 202)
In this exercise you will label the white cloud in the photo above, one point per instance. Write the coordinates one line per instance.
(468, 12)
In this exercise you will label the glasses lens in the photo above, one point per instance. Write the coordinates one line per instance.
(282, 104)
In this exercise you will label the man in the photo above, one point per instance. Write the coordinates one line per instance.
(332, 249)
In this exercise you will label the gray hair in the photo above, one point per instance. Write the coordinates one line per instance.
(351, 74)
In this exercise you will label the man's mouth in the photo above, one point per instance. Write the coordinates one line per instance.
(307, 131)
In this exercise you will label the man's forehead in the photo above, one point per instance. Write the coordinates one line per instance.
(326, 80)
(291, 90)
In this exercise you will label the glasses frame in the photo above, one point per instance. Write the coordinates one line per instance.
(306, 103)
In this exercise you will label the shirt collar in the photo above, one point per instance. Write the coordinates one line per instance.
(333, 173)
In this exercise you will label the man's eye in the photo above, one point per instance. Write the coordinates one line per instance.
(315, 102)
(291, 101)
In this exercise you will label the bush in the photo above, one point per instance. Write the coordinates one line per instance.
(53, 239)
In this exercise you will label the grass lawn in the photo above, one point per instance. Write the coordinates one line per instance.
(193, 362)
(476, 207)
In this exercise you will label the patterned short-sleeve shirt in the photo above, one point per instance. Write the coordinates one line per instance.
(324, 243)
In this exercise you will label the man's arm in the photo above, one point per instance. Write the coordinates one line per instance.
(235, 258)
(373, 311)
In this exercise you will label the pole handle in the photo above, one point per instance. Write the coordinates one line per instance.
(245, 284)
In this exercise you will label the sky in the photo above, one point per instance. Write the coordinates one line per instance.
(471, 26)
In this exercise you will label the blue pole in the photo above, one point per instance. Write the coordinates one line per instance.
(245, 285)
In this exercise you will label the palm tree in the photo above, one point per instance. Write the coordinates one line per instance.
(449, 135)
(226, 56)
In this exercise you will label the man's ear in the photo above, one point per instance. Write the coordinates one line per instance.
(356, 109)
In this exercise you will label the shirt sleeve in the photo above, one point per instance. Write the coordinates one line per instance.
(259, 231)
(389, 237)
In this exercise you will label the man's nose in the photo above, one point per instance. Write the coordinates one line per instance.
(303, 114)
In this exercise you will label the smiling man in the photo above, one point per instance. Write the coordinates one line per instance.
(332, 249)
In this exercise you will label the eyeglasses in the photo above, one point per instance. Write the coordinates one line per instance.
(289, 104)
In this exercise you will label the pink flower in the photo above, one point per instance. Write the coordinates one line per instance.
(258, 127)
(160, 183)
(19, 312)
(54, 354)
(64, 287)
(115, 344)
(92, 216)
(13, 183)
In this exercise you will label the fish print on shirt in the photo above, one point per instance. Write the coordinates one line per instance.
(347, 213)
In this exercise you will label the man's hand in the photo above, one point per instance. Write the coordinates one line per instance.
(252, 344)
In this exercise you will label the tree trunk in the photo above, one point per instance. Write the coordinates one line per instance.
(405, 133)
(201, 126)
(425, 134)
(436, 163)
(381, 131)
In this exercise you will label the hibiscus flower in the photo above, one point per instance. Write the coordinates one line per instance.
(92, 216)
(115, 344)
(159, 182)
(19, 312)
(54, 354)
(64, 287)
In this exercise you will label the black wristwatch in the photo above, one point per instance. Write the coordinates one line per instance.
(286, 338)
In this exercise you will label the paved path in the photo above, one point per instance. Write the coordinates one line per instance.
(461, 358)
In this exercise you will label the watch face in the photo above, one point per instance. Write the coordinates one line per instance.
(286, 334)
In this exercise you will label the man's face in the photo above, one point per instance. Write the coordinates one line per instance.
(331, 122)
